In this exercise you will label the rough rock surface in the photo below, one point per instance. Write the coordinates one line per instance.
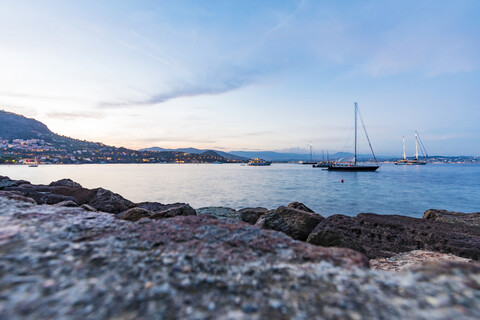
(300, 206)
(67, 192)
(408, 260)
(470, 219)
(58, 263)
(251, 215)
(382, 236)
(134, 214)
(294, 222)
(222, 213)
(68, 203)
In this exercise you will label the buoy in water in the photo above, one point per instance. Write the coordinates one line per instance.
(341, 180)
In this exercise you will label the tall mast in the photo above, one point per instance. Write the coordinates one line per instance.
(311, 153)
(416, 146)
(355, 133)
(404, 156)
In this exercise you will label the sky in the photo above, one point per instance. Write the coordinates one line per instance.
(247, 75)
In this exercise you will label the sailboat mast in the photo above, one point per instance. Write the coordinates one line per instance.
(404, 156)
(355, 133)
(416, 145)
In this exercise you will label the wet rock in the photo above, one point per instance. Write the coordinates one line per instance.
(413, 259)
(174, 210)
(135, 214)
(299, 206)
(222, 213)
(59, 263)
(471, 219)
(382, 236)
(67, 203)
(251, 215)
(296, 223)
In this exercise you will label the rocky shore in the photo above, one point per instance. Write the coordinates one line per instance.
(72, 252)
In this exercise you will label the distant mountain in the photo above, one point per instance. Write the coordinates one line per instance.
(198, 151)
(280, 156)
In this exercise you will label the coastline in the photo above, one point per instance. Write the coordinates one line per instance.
(93, 254)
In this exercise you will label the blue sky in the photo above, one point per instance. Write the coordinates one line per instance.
(246, 75)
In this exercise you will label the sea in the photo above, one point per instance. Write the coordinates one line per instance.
(405, 190)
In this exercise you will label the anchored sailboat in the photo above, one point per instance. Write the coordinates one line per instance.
(416, 161)
(323, 163)
(312, 156)
(355, 166)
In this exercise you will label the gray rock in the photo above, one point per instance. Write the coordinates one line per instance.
(383, 236)
(251, 215)
(67, 203)
(67, 263)
(14, 195)
(300, 206)
(222, 213)
(108, 201)
(65, 183)
(88, 208)
(469, 219)
(174, 210)
(135, 214)
(296, 223)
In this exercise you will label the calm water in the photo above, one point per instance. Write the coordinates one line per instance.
(407, 190)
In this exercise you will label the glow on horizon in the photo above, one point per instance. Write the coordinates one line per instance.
(246, 75)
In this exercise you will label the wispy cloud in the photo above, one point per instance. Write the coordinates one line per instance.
(284, 20)
(75, 115)
(187, 90)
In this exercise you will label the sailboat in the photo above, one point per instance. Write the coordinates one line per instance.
(312, 156)
(415, 161)
(323, 163)
(355, 166)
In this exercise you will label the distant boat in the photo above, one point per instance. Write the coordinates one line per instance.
(34, 164)
(355, 166)
(312, 156)
(323, 163)
(415, 161)
(259, 162)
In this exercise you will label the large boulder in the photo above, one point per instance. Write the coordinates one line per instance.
(471, 219)
(296, 223)
(381, 236)
(67, 263)
(108, 201)
(251, 215)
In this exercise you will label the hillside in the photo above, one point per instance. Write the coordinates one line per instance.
(25, 140)
(14, 126)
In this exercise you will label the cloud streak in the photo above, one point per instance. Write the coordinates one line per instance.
(185, 91)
